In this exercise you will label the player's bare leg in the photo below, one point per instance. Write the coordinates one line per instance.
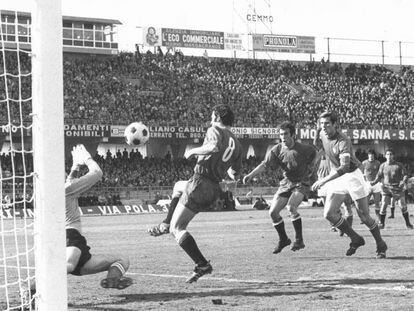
(115, 266)
(404, 211)
(180, 220)
(73, 255)
(292, 206)
(333, 215)
(277, 204)
(363, 212)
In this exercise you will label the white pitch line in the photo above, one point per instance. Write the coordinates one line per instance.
(376, 288)
(400, 288)
(203, 278)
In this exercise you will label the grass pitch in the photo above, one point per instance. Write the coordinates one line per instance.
(247, 276)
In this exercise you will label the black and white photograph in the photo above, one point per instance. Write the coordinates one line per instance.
(206, 155)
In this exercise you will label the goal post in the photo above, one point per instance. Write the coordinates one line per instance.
(48, 156)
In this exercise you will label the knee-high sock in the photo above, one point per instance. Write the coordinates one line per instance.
(297, 225)
(189, 245)
(382, 218)
(375, 231)
(406, 216)
(116, 270)
(171, 210)
(280, 228)
(344, 226)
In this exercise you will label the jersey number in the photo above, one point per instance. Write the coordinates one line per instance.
(229, 150)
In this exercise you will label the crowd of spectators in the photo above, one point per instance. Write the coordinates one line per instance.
(173, 88)
(125, 169)
(158, 88)
(128, 171)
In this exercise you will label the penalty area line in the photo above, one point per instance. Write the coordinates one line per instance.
(172, 276)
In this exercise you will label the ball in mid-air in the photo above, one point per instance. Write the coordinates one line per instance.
(136, 134)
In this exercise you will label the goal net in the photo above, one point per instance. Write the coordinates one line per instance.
(32, 253)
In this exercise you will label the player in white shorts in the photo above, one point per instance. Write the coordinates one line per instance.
(370, 167)
(323, 171)
(345, 179)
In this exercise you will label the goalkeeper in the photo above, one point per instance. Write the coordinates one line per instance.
(79, 260)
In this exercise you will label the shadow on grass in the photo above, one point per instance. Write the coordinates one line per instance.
(401, 258)
(263, 290)
(271, 289)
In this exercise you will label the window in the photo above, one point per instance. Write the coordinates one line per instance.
(78, 34)
(67, 33)
(88, 26)
(23, 39)
(10, 29)
(88, 34)
(22, 19)
(67, 42)
(67, 24)
(23, 30)
(10, 18)
(99, 35)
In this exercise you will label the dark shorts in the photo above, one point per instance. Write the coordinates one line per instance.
(392, 191)
(74, 238)
(200, 194)
(286, 188)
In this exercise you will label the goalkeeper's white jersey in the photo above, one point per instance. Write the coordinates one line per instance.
(74, 188)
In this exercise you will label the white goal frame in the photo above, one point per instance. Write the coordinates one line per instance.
(48, 156)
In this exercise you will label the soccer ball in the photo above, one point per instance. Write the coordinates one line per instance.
(136, 134)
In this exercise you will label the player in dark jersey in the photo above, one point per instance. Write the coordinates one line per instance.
(221, 153)
(345, 179)
(371, 166)
(297, 161)
(394, 178)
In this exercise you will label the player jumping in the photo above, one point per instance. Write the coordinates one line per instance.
(220, 151)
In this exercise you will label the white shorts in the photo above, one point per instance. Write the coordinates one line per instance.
(377, 188)
(179, 188)
(352, 183)
(323, 191)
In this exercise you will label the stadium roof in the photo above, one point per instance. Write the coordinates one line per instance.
(72, 18)
(92, 20)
